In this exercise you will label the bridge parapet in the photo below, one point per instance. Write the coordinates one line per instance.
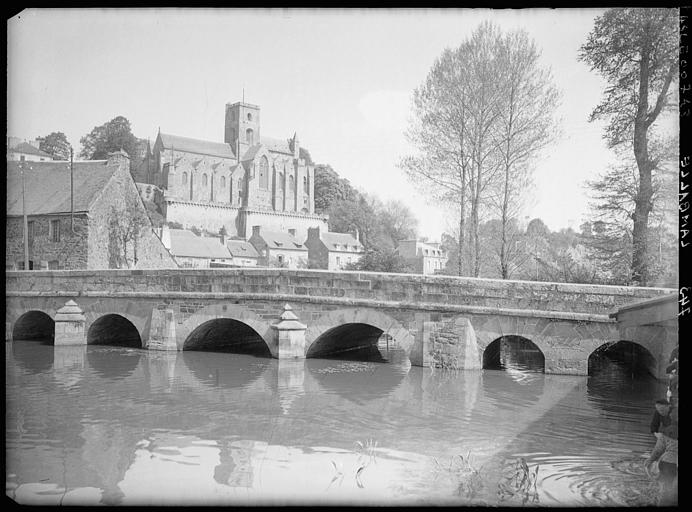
(339, 287)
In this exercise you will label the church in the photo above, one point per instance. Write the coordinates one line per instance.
(247, 180)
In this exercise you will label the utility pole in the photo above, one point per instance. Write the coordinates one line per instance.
(26, 222)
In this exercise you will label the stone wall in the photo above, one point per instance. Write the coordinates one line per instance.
(71, 252)
(204, 216)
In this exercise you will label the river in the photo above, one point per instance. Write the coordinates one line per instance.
(110, 425)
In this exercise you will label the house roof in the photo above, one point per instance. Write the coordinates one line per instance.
(47, 185)
(28, 149)
(337, 241)
(279, 240)
(185, 243)
(241, 249)
(201, 147)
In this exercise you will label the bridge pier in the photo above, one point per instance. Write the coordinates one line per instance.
(289, 340)
(70, 325)
(162, 330)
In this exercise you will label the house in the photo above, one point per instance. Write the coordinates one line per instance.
(249, 179)
(22, 151)
(277, 249)
(424, 257)
(193, 251)
(243, 253)
(89, 216)
(332, 251)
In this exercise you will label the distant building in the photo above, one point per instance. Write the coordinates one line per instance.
(104, 203)
(243, 253)
(20, 151)
(277, 249)
(424, 257)
(192, 251)
(332, 251)
(246, 180)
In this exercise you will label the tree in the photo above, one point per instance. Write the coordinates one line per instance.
(125, 228)
(112, 136)
(484, 110)
(381, 259)
(396, 222)
(56, 145)
(636, 51)
(329, 187)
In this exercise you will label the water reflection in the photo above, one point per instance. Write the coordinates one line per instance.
(513, 353)
(130, 427)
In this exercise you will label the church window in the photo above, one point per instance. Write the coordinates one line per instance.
(223, 181)
(250, 136)
(264, 173)
(204, 180)
(249, 116)
(305, 184)
(280, 184)
(184, 178)
(291, 184)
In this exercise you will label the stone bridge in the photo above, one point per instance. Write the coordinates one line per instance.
(435, 319)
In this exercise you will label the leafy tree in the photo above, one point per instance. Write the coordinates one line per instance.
(636, 51)
(174, 225)
(396, 222)
(112, 136)
(125, 228)
(329, 187)
(56, 145)
(380, 259)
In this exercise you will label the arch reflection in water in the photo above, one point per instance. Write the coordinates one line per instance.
(34, 356)
(227, 335)
(115, 330)
(621, 373)
(228, 371)
(353, 341)
(113, 362)
(513, 353)
(34, 325)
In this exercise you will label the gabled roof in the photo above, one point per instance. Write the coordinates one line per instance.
(279, 240)
(198, 146)
(28, 149)
(47, 185)
(251, 153)
(277, 145)
(185, 243)
(241, 249)
(337, 241)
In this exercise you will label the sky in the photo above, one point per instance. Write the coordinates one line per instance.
(341, 79)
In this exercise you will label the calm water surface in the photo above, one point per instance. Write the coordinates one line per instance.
(122, 426)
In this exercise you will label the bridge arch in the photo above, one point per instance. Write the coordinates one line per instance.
(512, 351)
(205, 328)
(630, 356)
(113, 329)
(324, 334)
(34, 325)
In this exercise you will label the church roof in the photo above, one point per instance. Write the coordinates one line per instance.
(251, 153)
(241, 249)
(277, 145)
(198, 146)
(28, 149)
(340, 241)
(47, 185)
(186, 244)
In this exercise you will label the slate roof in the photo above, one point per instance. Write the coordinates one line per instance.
(28, 149)
(198, 146)
(279, 240)
(277, 145)
(185, 243)
(337, 241)
(241, 249)
(251, 152)
(47, 185)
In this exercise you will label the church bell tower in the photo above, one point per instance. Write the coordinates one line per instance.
(242, 126)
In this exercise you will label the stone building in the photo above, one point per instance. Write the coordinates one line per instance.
(244, 181)
(22, 151)
(278, 249)
(94, 220)
(332, 251)
(192, 251)
(243, 253)
(424, 257)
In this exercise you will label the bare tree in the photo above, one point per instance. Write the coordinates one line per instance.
(636, 51)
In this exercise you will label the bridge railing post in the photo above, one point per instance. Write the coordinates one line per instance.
(290, 336)
(70, 325)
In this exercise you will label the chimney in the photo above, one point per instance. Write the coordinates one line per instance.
(223, 239)
(314, 233)
(166, 236)
(292, 232)
(256, 230)
(356, 234)
(120, 158)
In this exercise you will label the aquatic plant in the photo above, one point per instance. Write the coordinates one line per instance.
(520, 483)
(468, 477)
(366, 455)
